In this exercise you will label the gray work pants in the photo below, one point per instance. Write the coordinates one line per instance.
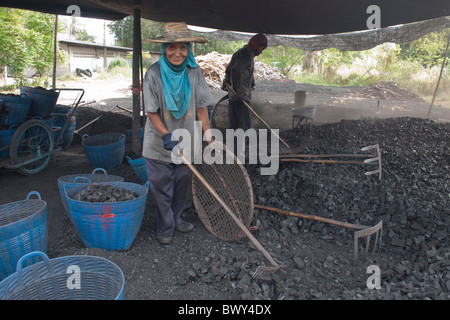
(169, 185)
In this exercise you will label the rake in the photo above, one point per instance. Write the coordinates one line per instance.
(257, 116)
(261, 271)
(308, 158)
(362, 230)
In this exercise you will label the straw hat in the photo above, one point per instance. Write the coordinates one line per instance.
(176, 32)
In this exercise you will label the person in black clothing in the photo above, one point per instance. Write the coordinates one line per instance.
(239, 75)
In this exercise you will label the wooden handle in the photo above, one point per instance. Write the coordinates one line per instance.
(311, 217)
(256, 115)
(228, 210)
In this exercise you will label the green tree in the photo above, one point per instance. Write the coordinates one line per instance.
(428, 50)
(282, 57)
(27, 41)
(222, 47)
(123, 34)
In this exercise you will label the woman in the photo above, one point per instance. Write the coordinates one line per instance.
(175, 95)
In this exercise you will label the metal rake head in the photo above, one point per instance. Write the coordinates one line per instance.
(263, 271)
(376, 159)
(377, 230)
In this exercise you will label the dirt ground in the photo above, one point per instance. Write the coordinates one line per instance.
(198, 266)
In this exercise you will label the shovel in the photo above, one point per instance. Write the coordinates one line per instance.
(261, 271)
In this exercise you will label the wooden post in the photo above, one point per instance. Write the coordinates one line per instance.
(136, 130)
(440, 74)
(55, 53)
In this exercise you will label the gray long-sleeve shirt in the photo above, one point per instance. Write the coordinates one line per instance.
(155, 102)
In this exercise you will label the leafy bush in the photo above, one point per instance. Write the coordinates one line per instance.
(117, 63)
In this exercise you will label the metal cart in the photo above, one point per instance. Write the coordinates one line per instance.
(33, 142)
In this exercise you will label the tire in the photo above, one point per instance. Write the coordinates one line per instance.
(33, 140)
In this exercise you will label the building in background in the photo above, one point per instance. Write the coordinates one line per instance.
(89, 55)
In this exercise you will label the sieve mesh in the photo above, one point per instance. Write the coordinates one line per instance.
(219, 119)
(232, 183)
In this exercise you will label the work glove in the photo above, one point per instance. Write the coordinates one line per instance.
(168, 143)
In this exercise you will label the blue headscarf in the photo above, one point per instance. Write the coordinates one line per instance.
(176, 85)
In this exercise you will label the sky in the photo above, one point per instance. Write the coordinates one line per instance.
(93, 27)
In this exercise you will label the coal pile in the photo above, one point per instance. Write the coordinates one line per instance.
(97, 192)
(412, 199)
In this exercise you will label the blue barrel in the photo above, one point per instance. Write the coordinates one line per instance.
(43, 100)
(105, 150)
(14, 108)
(60, 116)
(5, 140)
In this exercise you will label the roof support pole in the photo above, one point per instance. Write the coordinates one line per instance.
(55, 53)
(137, 88)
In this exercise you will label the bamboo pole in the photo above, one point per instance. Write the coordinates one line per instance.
(440, 75)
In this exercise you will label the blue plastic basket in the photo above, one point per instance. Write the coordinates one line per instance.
(108, 225)
(78, 277)
(43, 100)
(5, 140)
(15, 108)
(105, 150)
(138, 165)
(74, 180)
(130, 134)
(23, 229)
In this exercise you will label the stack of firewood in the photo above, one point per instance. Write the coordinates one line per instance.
(214, 64)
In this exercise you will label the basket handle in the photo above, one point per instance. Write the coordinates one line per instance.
(12, 127)
(31, 255)
(85, 136)
(34, 193)
(122, 137)
(78, 178)
(147, 184)
(99, 169)
(28, 256)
